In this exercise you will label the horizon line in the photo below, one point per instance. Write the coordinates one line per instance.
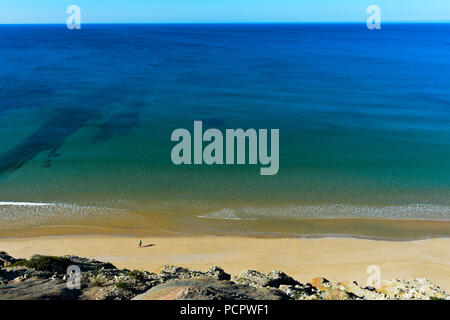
(240, 22)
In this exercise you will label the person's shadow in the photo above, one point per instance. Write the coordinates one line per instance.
(149, 245)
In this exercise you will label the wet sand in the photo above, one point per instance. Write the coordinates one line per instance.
(337, 259)
(170, 224)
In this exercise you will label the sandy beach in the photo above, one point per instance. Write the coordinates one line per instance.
(337, 259)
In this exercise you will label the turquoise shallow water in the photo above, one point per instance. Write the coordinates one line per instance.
(86, 118)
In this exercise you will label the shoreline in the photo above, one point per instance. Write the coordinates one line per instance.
(84, 232)
(335, 258)
(172, 224)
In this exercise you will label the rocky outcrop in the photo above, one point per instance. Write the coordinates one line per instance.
(396, 289)
(259, 280)
(42, 278)
(172, 272)
(36, 288)
(419, 288)
(6, 259)
(209, 289)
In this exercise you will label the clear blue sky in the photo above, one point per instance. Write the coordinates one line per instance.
(140, 11)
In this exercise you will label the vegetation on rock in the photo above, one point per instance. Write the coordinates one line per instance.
(45, 263)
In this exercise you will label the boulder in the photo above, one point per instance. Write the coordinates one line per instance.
(218, 273)
(6, 260)
(260, 280)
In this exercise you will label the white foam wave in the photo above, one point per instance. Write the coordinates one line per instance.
(24, 204)
(413, 211)
(21, 214)
(226, 214)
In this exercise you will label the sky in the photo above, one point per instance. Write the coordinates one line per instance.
(203, 11)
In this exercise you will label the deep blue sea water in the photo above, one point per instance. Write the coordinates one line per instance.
(364, 117)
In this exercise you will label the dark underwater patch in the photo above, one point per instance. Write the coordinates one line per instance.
(49, 137)
(121, 123)
(214, 122)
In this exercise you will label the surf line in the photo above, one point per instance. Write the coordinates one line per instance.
(235, 140)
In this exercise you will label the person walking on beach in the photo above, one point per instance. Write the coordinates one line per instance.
(140, 243)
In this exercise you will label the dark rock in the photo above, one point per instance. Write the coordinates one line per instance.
(6, 260)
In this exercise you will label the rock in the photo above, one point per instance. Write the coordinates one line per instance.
(277, 278)
(170, 272)
(173, 272)
(218, 273)
(209, 289)
(18, 279)
(103, 281)
(413, 289)
(320, 284)
(300, 292)
(6, 260)
(37, 289)
(327, 290)
(86, 264)
(334, 291)
(259, 280)
(289, 290)
(362, 293)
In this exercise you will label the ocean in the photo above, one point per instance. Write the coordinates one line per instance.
(86, 118)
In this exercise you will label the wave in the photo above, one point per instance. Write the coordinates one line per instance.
(27, 214)
(24, 204)
(227, 214)
(334, 211)
(16, 214)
